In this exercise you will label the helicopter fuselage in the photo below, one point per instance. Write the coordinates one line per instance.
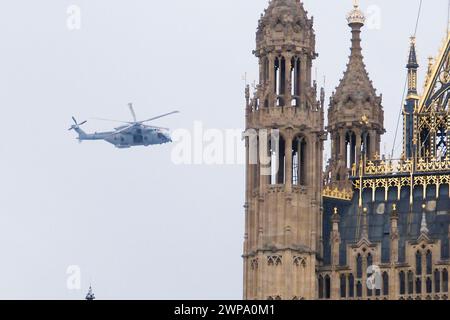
(134, 136)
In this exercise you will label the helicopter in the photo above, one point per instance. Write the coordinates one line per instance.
(130, 134)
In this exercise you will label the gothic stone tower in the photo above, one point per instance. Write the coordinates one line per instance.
(284, 141)
(355, 115)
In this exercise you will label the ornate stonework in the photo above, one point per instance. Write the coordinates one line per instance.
(373, 227)
(355, 115)
(283, 196)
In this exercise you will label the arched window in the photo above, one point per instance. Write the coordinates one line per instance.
(359, 289)
(277, 160)
(359, 271)
(429, 259)
(418, 285)
(418, 263)
(402, 287)
(369, 264)
(299, 163)
(350, 143)
(295, 77)
(365, 147)
(327, 287)
(320, 287)
(429, 285)
(444, 280)
(437, 281)
(343, 286)
(351, 286)
(386, 284)
(410, 282)
(280, 76)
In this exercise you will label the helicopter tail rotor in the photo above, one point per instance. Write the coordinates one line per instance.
(76, 125)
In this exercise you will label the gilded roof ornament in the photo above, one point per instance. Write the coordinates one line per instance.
(356, 16)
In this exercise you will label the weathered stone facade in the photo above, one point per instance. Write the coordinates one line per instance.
(371, 227)
(283, 206)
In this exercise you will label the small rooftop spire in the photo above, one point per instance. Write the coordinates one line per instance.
(90, 295)
(365, 231)
(412, 61)
(423, 225)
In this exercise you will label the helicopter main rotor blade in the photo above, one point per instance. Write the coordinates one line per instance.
(74, 120)
(110, 120)
(159, 117)
(120, 131)
(130, 105)
(158, 128)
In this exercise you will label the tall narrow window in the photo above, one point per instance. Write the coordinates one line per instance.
(418, 285)
(429, 259)
(386, 284)
(343, 286)
(277, 160)
(280, 78)
(366, 147)
(359, 271)
(401, 277)
(369, 263)
(437, 281)
(320, 287)
(410, 282)
(359, 289)
(444, 280)
(327, 287)
(299, 163)
(295, 81)
(418, 263)
(350, 142)
(429, 285)
(281, 162)
(351, 286)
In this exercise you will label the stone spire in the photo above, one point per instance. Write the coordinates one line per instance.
(411, 102)
(355, 115)
(423, 226)
(356, 81)
(90, 295)
(412, 67)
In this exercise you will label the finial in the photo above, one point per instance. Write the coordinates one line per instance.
(423, 225)
(356, 16)
(413, 39)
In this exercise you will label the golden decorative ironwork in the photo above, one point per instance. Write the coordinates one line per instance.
(395, 167)
(387, 183)
(335, 193)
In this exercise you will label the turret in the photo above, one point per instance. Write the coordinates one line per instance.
(412, 101)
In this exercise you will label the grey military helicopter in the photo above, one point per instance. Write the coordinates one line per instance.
(130, 134)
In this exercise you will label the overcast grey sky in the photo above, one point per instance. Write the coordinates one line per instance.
(139, 226)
